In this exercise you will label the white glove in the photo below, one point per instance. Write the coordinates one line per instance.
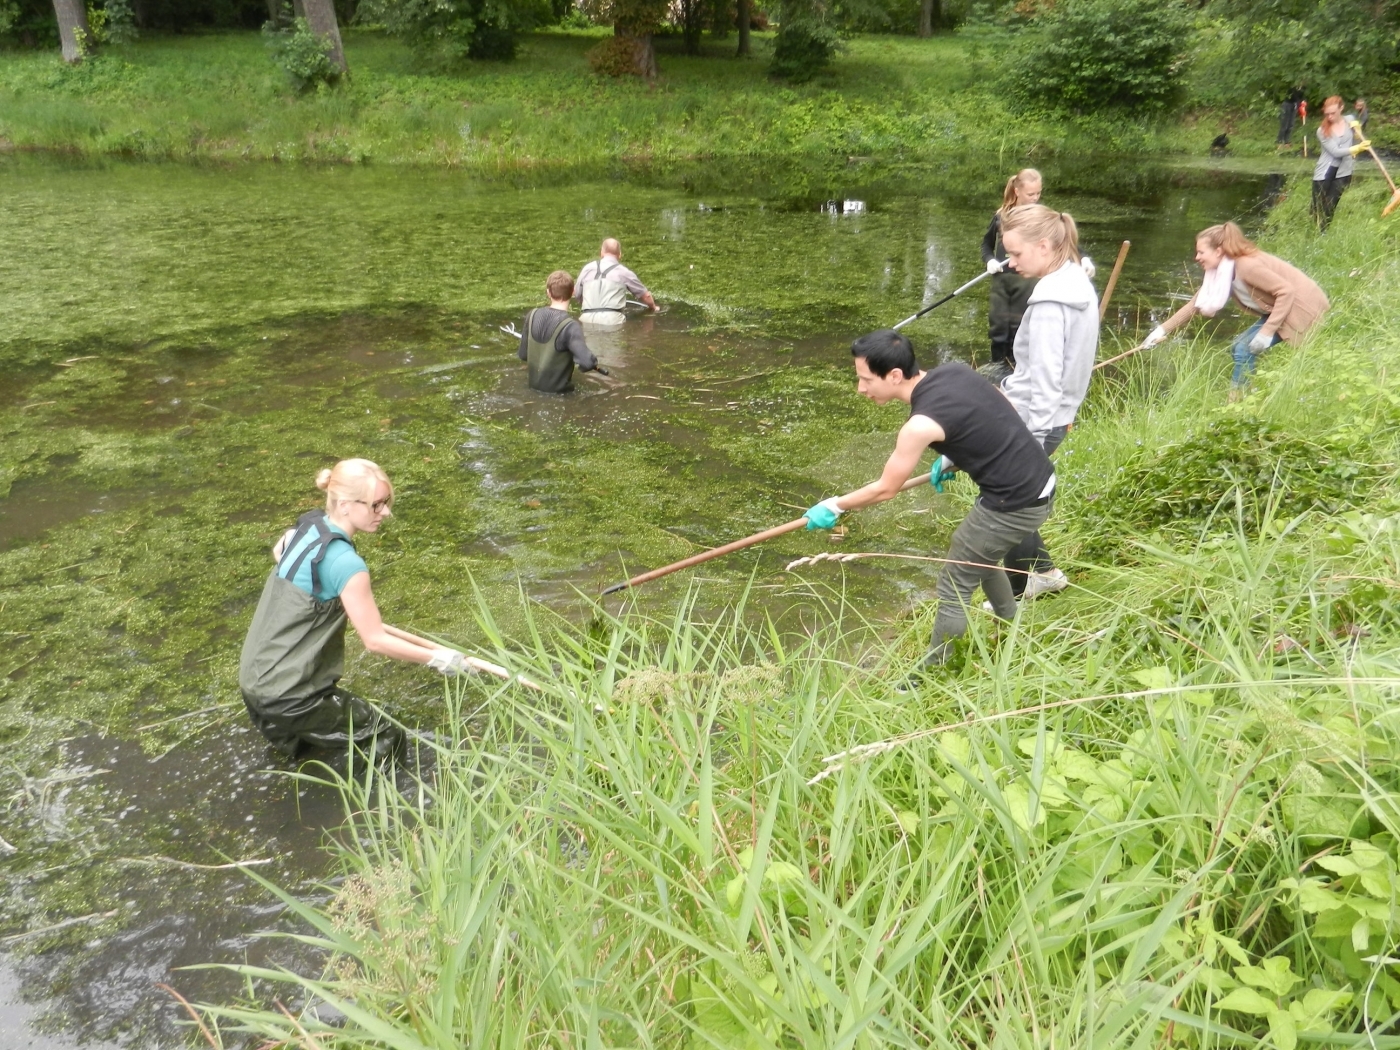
(1260, 343)
(830, 504)
(1155, 336)
(448, 661)
(995, 265)
(1087, 264)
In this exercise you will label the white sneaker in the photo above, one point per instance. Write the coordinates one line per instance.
(1045, 583)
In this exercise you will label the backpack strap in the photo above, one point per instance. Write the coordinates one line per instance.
(311, 521)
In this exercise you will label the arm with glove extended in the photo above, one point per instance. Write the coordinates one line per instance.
(914, 437)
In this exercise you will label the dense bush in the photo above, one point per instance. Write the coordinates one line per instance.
(1087, 55)
(803, 49)
(452, 30)
(1201, 476)
(303, 55)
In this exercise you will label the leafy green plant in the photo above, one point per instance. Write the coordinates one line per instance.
(302, 54)
(454, 30)
(803, 48)
(1087, 55)
(1271, 472)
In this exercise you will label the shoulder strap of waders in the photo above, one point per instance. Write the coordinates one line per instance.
(325, 535)
(603, 273)
(553, 332)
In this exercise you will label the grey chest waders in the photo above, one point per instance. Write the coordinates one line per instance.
(294, 655)
(604, 300)
(551, 368)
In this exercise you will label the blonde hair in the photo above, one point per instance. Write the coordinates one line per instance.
(1036, 222)
(352, 479)
(1011, 194)
(1228, 238)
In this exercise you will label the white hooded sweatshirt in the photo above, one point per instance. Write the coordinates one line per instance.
(1055, 349)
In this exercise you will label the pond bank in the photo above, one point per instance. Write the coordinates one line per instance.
(219, 97)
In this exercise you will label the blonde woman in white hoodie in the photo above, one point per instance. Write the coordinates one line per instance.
(1054, 350)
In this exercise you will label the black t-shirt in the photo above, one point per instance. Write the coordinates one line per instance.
(984, 435)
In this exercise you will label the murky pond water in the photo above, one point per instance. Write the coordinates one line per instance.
(182, 348)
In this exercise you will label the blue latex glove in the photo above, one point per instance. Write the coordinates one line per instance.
(823, 515)
(941, 471)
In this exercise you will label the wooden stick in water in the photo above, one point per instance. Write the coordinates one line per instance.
(1113, 279)
(474, 662)
(730, 548)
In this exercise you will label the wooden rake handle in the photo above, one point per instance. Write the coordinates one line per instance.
(474, 662)
(730, 548)
(1113, 278)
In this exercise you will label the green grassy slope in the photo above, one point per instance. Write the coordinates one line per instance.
(219, 96)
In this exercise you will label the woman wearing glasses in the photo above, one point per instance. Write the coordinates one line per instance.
(294, 654)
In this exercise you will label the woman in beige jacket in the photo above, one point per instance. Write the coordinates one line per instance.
(1287, 300)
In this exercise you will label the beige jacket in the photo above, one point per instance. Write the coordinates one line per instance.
(1291, 299)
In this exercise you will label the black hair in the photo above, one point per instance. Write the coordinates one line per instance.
(886, 350)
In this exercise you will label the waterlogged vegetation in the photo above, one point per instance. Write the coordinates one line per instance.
(1160, 809)
(218, 96)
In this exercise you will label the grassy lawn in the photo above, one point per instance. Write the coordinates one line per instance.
(220, 96)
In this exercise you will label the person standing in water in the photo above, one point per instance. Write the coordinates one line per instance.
(963, 417)
(604, 285)
(1286, 300)
(294, 653)
(1055, 349)
(1010, 290)
(552, 341)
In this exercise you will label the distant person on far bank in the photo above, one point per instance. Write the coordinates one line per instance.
(604, 286)
(1288, 115)
(1362, 113)
(1286, 301)
(552, 341)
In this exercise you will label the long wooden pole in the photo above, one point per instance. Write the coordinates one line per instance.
(1113, 279)
(474, 662)
(1126, 353)
(730, 548)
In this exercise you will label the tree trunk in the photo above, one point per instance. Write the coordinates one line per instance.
(298, 8)
(643, 52)
(745, 17)
(930, 11)
(320, 16)
(73, 29)
(274, 11)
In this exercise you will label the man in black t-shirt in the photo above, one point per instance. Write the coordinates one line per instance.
(971, 424)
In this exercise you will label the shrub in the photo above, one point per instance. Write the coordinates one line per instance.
(304, 55)
(1085, 55)
(452, 30)
(802, 50)
(1193, 480)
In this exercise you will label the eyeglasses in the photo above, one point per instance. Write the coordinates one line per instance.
(379, 506)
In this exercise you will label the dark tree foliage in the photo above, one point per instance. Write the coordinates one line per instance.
(1082, 56)
(31, 23)
(453, 30)
(1331, 46)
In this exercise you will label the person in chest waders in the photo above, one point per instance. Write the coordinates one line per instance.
(604, 285)
(1010, 290)
(552, 342)
(294, 653)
